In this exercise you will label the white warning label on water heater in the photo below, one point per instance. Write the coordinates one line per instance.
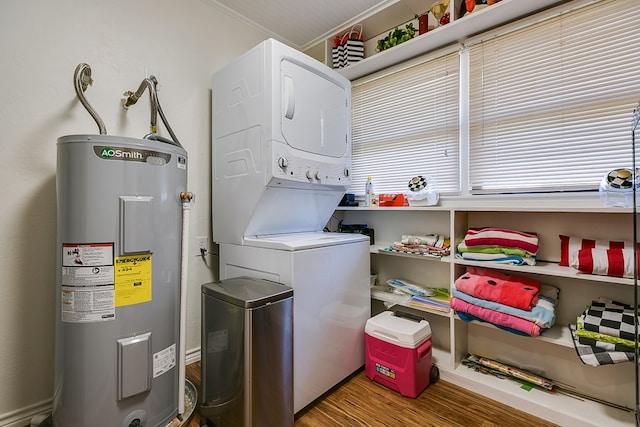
(87, 291)
(164, 360)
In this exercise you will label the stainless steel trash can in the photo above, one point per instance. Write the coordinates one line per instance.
(247, 353)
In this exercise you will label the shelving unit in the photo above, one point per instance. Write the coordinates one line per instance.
(552, 354)
(397, 13)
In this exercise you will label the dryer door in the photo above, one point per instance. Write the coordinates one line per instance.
(315, 112)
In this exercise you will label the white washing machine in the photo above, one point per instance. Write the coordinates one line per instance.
(330, 308)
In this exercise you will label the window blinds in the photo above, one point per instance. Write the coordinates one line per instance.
(405, 124)
(550, 105)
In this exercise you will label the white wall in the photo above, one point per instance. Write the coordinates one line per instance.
(41, 42)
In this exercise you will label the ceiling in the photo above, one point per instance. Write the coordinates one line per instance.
(300, 23)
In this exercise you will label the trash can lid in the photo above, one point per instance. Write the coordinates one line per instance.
(247, 292)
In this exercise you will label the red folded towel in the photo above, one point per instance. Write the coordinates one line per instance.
(507, 289)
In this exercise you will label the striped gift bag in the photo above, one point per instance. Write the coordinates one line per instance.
(348, 48)
(354, 50)
(337, 53)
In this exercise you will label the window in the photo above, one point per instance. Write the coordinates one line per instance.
(405, 124)
(546, 105)
(550, 104)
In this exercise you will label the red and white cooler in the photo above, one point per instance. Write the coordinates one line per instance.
(398, 353)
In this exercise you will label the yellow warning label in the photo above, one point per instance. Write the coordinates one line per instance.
(133, 279)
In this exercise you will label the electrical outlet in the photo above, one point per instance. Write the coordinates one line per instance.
(201, 243)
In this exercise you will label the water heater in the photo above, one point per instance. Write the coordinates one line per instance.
(119, 233)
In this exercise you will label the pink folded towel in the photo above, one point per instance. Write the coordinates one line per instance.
(496, 317)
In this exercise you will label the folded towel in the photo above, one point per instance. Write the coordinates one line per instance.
(609, 317)
(581, 332)
(596, 356)
(492, 250)
(498, 258)
(507, 289)
(542, 314)
(605, 345)
(425, 239)
(497, 318)
(502, 237)
(466, 317)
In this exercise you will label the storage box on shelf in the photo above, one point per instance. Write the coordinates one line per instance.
(551, 354)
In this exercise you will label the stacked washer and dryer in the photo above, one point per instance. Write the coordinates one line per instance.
(281, 161)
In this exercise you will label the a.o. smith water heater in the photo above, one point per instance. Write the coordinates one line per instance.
(118, 281)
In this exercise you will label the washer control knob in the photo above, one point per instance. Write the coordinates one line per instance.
(317, 176)
(309, 176)
(283, 163)
(346, 172)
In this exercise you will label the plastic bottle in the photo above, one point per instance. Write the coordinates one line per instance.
(368, 192)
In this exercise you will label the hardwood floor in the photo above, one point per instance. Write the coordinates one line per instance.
(358, 401)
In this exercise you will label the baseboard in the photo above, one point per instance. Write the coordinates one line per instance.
(22, 417)
(192, 356)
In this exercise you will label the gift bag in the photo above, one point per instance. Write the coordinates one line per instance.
(354, 49)
(348, 48)
(337, 53)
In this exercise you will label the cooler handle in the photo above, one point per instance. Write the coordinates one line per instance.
(424, 349)
(409, 316)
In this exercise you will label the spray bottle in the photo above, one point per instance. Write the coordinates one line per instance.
(368, 192)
